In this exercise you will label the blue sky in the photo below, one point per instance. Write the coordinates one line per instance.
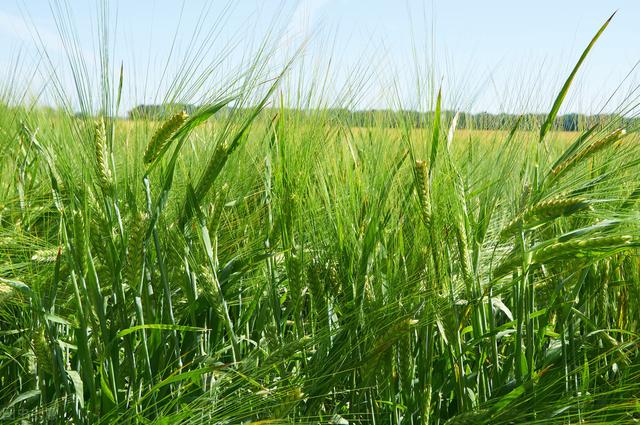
(493, 55)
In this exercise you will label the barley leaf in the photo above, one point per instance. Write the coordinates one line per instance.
(548, 123)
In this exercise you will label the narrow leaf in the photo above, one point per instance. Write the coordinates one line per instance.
(435, 140)
(565, 88)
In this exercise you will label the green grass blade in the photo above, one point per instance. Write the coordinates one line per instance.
(548, 122)
(435, 138)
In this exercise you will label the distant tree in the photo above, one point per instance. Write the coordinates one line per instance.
(570, 122)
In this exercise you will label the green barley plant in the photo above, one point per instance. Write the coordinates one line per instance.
(260, 260)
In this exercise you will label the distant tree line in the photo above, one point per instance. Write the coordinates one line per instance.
(477, 121)
(415, 119)
(159, 111)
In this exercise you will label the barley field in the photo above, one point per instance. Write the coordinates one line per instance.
(249, 262)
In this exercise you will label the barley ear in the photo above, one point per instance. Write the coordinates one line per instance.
(42, 351)
(103, 172)
(545, 211)
(316, 283)
(214, 167)
(295, 272)
(422, 187)
(587, 152)
(582, 248)
(163, 136)
(135, 252)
